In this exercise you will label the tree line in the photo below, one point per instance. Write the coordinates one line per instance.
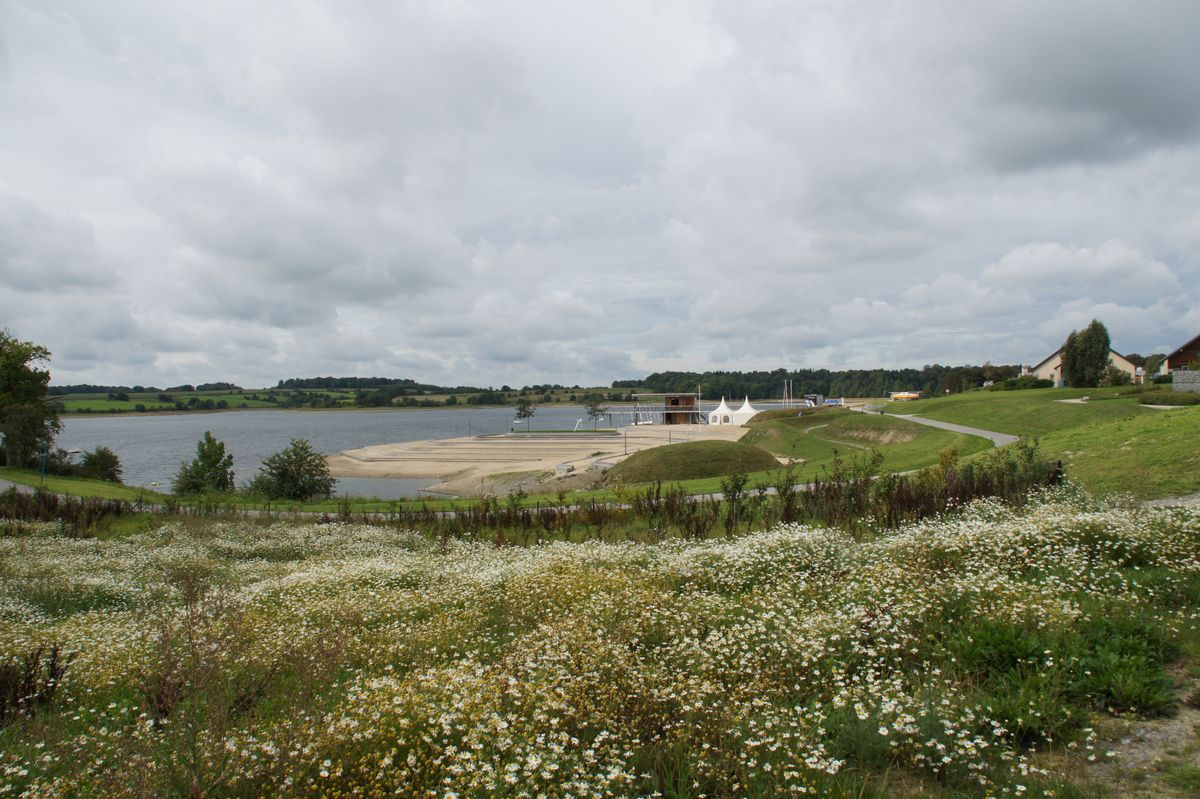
(932, 380)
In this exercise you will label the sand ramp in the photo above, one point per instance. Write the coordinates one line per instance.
(487, 455)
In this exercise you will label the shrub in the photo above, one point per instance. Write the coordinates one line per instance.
(211, 469)
(1022, 382)
(298, 472)
(1169, 398)
(30, 680)
(102, 464)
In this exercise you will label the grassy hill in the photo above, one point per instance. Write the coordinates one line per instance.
(1155, 454)
(1110, 443)
(690, 461)
(1031, 412)
(815, 437)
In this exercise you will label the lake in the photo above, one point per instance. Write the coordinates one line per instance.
(151, 447)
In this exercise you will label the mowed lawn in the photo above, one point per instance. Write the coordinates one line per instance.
(1031, 412)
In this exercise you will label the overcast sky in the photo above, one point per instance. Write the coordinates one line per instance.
(527, 192)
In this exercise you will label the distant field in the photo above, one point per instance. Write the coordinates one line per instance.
(290, 398)
(100, 403)
(1030, 412)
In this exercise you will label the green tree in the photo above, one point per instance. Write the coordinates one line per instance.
(28, 421)
(525, 409)
(102, 464)
(1086, 356)
(1153, 362)
(298, 472)
(1070, 358)
(596, 409)
(211, 469)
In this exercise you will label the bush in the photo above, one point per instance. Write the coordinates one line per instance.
(1169, 398)
(298, 472)
(1019, 383)
(102, 464)
(211, 469)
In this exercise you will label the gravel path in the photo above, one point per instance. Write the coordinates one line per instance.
(999, 439)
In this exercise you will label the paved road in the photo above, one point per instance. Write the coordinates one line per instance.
(999, 439)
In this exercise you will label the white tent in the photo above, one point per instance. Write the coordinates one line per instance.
(726, 415)
(722, 415)
(744, 413)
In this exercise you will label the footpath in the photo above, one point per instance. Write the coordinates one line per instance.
(999, 439)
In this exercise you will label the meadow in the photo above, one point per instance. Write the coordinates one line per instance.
(977, 654)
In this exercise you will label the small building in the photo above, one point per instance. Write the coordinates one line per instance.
(1180, 359)
(1051, 367)
(668, 409)
(904, 396)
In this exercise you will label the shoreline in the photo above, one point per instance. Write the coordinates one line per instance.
(516, 459)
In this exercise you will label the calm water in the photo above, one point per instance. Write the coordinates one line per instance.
(152, 447)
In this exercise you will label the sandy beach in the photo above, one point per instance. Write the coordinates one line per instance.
(467, 461)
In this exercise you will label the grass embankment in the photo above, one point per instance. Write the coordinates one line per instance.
(300, 660)
(1156, 454)
(816, 437)
(1033, 412)
(1110, 443)
(79, 486)
(690, 461)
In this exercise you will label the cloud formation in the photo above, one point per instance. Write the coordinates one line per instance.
(469, 193)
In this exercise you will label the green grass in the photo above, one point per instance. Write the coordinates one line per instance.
(99, 403)
(1031, 412)
(691, 460)
(816, 437)
(1154, 454)
(78, 486)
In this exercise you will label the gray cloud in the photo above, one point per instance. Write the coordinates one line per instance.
(41, 250)
(468, 193)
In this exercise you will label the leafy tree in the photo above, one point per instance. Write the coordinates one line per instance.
(525, 409)
(28, 421)
(596, 409)
(1070, 358)
(1086, 355)
(1153, 362)
(211, 469)
(102, 464)
(298, 472)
